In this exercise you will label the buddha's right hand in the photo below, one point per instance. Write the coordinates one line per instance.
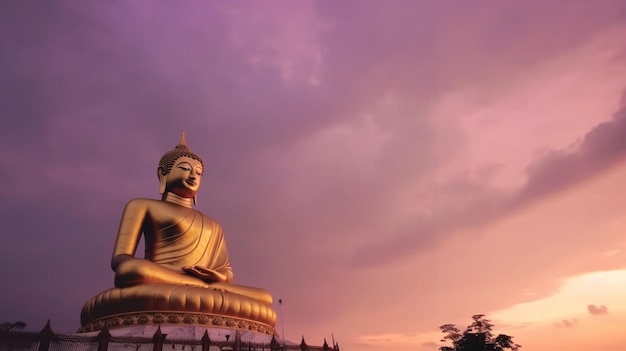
(208, 275)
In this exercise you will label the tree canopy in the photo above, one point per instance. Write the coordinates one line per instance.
(477, 337)
(7, 326)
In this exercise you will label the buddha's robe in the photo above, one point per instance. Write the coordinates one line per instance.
(175, 237)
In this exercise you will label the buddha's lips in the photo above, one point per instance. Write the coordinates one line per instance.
(190, 182)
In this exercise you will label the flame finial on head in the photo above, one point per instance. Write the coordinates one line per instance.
(168, 159)
(182, 141)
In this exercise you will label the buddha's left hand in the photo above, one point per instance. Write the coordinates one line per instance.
(208, 275)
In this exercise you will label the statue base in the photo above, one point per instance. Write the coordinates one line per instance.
(169, 304)
(177, 320)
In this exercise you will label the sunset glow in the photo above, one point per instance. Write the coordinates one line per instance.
(384, 168)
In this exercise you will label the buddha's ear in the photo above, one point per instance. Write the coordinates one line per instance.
(162, 181)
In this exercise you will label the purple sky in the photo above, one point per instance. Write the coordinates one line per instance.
(349, 146)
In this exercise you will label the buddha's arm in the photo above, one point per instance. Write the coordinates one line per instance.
(222, 266)
(130, 232)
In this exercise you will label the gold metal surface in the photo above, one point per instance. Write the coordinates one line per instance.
(186, 267)
(205, 319)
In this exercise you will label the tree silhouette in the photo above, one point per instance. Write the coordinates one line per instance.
(9, 326)
(477, 337)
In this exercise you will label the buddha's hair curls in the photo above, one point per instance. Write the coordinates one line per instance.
(170, 157)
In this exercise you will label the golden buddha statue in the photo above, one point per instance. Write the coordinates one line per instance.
(185, 276)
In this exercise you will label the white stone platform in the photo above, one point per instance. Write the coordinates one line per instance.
(188, 332)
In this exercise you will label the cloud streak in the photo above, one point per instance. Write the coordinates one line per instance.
(567, 323)
(597, 310)
(477, 204)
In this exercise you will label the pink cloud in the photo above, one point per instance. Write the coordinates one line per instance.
(597, 310)
(567, 323)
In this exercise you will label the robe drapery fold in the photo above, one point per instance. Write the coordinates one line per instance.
(194, 240)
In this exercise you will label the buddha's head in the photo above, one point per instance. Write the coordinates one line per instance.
(180, 171)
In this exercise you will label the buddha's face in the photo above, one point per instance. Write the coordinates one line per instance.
(184, 177)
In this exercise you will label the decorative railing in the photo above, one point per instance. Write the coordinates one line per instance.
(47, 340)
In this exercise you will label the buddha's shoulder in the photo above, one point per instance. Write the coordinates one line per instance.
(141, 203)
(160, 205)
